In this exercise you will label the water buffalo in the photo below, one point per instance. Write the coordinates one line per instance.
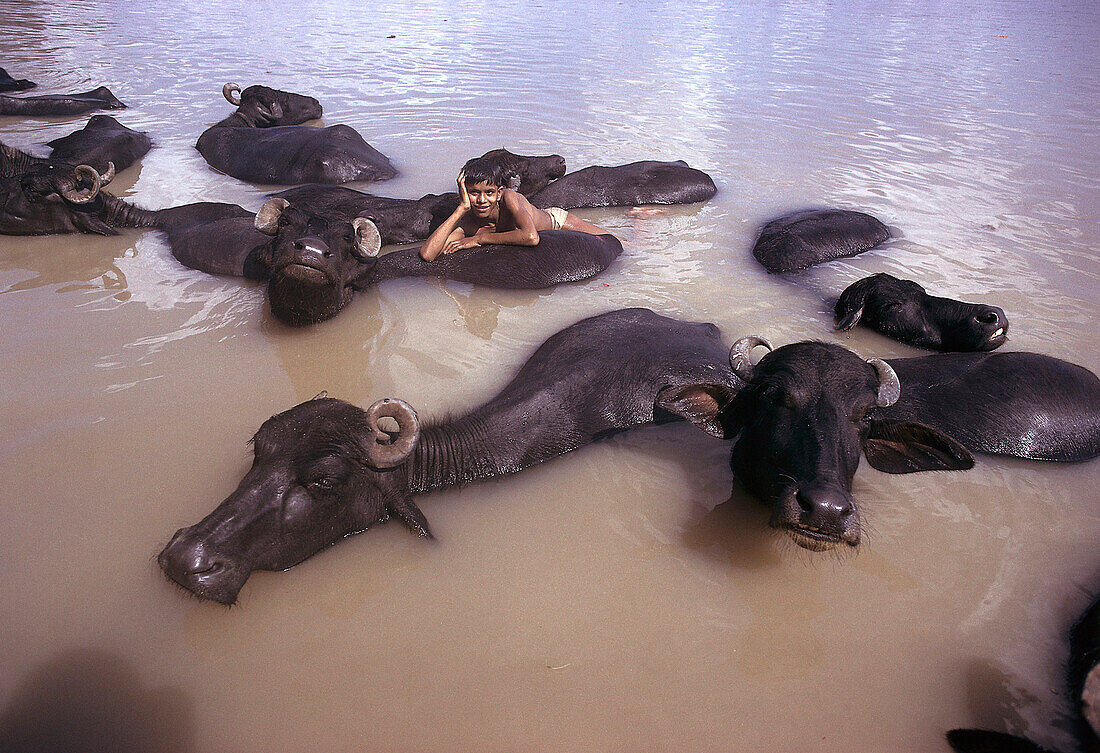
(9, 84)
(1024, 405)
(264, 142)
(325, 469)
(803, 239)
(901, 309)
(646, 182)
(315, 264)
(408, 220)
(48, 197)
(801, 424)
(1084, 687)
(103, 140)
(60, 104)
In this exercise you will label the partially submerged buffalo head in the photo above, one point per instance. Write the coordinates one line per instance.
(314, 262)
(263, 106)
(54, 197)
(323, 470)
(529, 174)
(801, 424)
(901, 309)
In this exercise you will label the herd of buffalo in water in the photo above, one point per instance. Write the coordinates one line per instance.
(800, 418)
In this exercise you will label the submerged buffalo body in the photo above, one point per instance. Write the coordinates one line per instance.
(103, 140)
(803, 239)
(901, 309)
(9, 84)
(326, 469)
(1024, 405)
(263, 142)
(60, 104)
(646, 182)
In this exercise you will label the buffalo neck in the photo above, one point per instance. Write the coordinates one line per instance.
(454, 453)
(120, 213)
(404, 263)
(237, 120)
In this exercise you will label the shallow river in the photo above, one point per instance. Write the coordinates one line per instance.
(628, 596)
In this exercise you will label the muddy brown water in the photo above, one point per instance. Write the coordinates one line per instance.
(628, 596)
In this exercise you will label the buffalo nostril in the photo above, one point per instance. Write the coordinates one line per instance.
(988, 317)
(805, 501)
(299, 246)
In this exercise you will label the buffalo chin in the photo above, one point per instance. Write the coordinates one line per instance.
(301, 295)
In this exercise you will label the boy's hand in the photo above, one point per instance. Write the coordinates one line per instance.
(463, 194)
(460, 244)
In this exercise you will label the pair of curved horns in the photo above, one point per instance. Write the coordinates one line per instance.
(889, 386)
(74, 195)
(368, 240)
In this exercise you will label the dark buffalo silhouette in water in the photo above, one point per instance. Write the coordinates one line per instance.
(264, 142)
(9, 84)
(44, 197)
(902, 310)
(803, 239)
(810, 409)
(408, 220)
(645, 182)
(326, 468)
(1083, 680)
(1024, 405)
(60, 104)
(101, 141)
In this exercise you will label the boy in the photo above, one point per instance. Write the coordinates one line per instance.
(489, 213)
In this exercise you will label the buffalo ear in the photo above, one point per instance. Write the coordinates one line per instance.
(702, 404)
(848, 319)
(405, 509)
(907, 447)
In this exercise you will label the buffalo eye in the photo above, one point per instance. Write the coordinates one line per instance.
(349, 237)
(322, 484)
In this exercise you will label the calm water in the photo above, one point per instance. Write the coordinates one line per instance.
(621, 598)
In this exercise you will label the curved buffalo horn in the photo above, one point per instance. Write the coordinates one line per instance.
(383, 449)
(889, 386)
(267, 219)
(739, 355)
(74, 196)
(108, 175)
(232, 92)
(367, 238)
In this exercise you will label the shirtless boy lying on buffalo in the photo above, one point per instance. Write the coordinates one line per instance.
(489, 213)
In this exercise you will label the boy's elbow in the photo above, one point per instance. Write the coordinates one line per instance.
(426, 255)
(532, 238)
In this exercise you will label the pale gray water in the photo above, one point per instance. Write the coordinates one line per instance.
(606, 600)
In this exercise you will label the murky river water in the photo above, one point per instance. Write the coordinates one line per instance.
(621, 598)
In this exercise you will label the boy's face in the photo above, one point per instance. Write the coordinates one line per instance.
(484, 197)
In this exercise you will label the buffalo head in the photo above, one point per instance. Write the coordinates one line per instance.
(263, 106)
(54, 197)
(801, 424)
(322, 470)
(529, 174)
(314, 262)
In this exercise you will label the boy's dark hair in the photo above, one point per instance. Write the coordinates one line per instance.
(489, 170)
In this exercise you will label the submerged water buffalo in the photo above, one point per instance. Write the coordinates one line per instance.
(264, 142)
(810, 408)
(9, 84)
(60, 104)
(645, 182)
(1025, 405)
(408, 220)
(326, 468)
(801, 424)
(103, 140)
(803, 239)
(46, 197)
(902, 310)
(1084, 689)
